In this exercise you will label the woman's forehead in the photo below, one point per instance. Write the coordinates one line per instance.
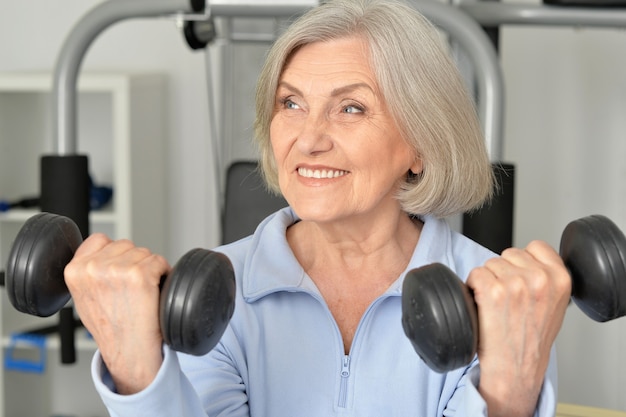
(336, 63)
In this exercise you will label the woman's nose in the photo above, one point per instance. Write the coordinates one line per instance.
(314, 135)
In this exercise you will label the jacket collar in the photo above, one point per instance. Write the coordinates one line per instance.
(272, 267)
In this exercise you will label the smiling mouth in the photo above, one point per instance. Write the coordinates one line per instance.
(321, 173)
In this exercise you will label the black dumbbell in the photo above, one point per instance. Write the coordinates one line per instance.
(197, 296)
(439, 314)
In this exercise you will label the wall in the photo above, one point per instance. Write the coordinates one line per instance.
(565, 131)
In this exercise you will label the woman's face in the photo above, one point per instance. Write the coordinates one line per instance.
(337, 149)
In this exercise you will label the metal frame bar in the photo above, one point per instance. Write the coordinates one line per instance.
(494, 14)
(470, 36)
(259, 8)
(74, 49)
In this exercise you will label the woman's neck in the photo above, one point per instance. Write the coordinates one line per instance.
(354, 246)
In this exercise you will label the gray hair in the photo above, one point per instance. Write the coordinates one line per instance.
(422, 88)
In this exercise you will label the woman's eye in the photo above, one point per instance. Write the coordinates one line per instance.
(351, 109)
(289, 104)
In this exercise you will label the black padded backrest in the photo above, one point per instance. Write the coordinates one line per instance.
(246, 201)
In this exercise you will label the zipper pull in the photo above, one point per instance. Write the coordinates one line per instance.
(345, 367)
(345, 373)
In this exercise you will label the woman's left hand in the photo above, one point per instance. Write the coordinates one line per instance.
(521, 297)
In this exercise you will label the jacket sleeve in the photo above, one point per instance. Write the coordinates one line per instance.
(467, 401)
(170, 394)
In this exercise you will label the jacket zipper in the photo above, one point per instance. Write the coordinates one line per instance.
(345, 363)
(345, 374)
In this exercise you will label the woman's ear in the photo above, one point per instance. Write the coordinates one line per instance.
(417, 166)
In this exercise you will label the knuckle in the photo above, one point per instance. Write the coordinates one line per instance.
(138, 276)
(135, 272)
(145, 252)
(497, 291)
(510, 252)
(517, 287)
(538, 246)
(122, 244)
(99, 238)
(477, 277)
(490, 262)
(493, 263)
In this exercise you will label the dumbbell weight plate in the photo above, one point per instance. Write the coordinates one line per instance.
(34, 275)
(593, 249)
(197, 301)
(438, 318)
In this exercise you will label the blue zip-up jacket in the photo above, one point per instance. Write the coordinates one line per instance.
(282, 354)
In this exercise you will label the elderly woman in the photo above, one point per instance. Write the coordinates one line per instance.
(365, 128)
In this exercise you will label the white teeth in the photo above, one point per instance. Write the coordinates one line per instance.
(320, 173)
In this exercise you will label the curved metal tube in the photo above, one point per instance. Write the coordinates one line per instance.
(493, 14)
(260, 8)
(481, 52)
(74, 49)
(458, 25)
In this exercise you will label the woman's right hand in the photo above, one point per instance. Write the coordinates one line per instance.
(115, 288)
